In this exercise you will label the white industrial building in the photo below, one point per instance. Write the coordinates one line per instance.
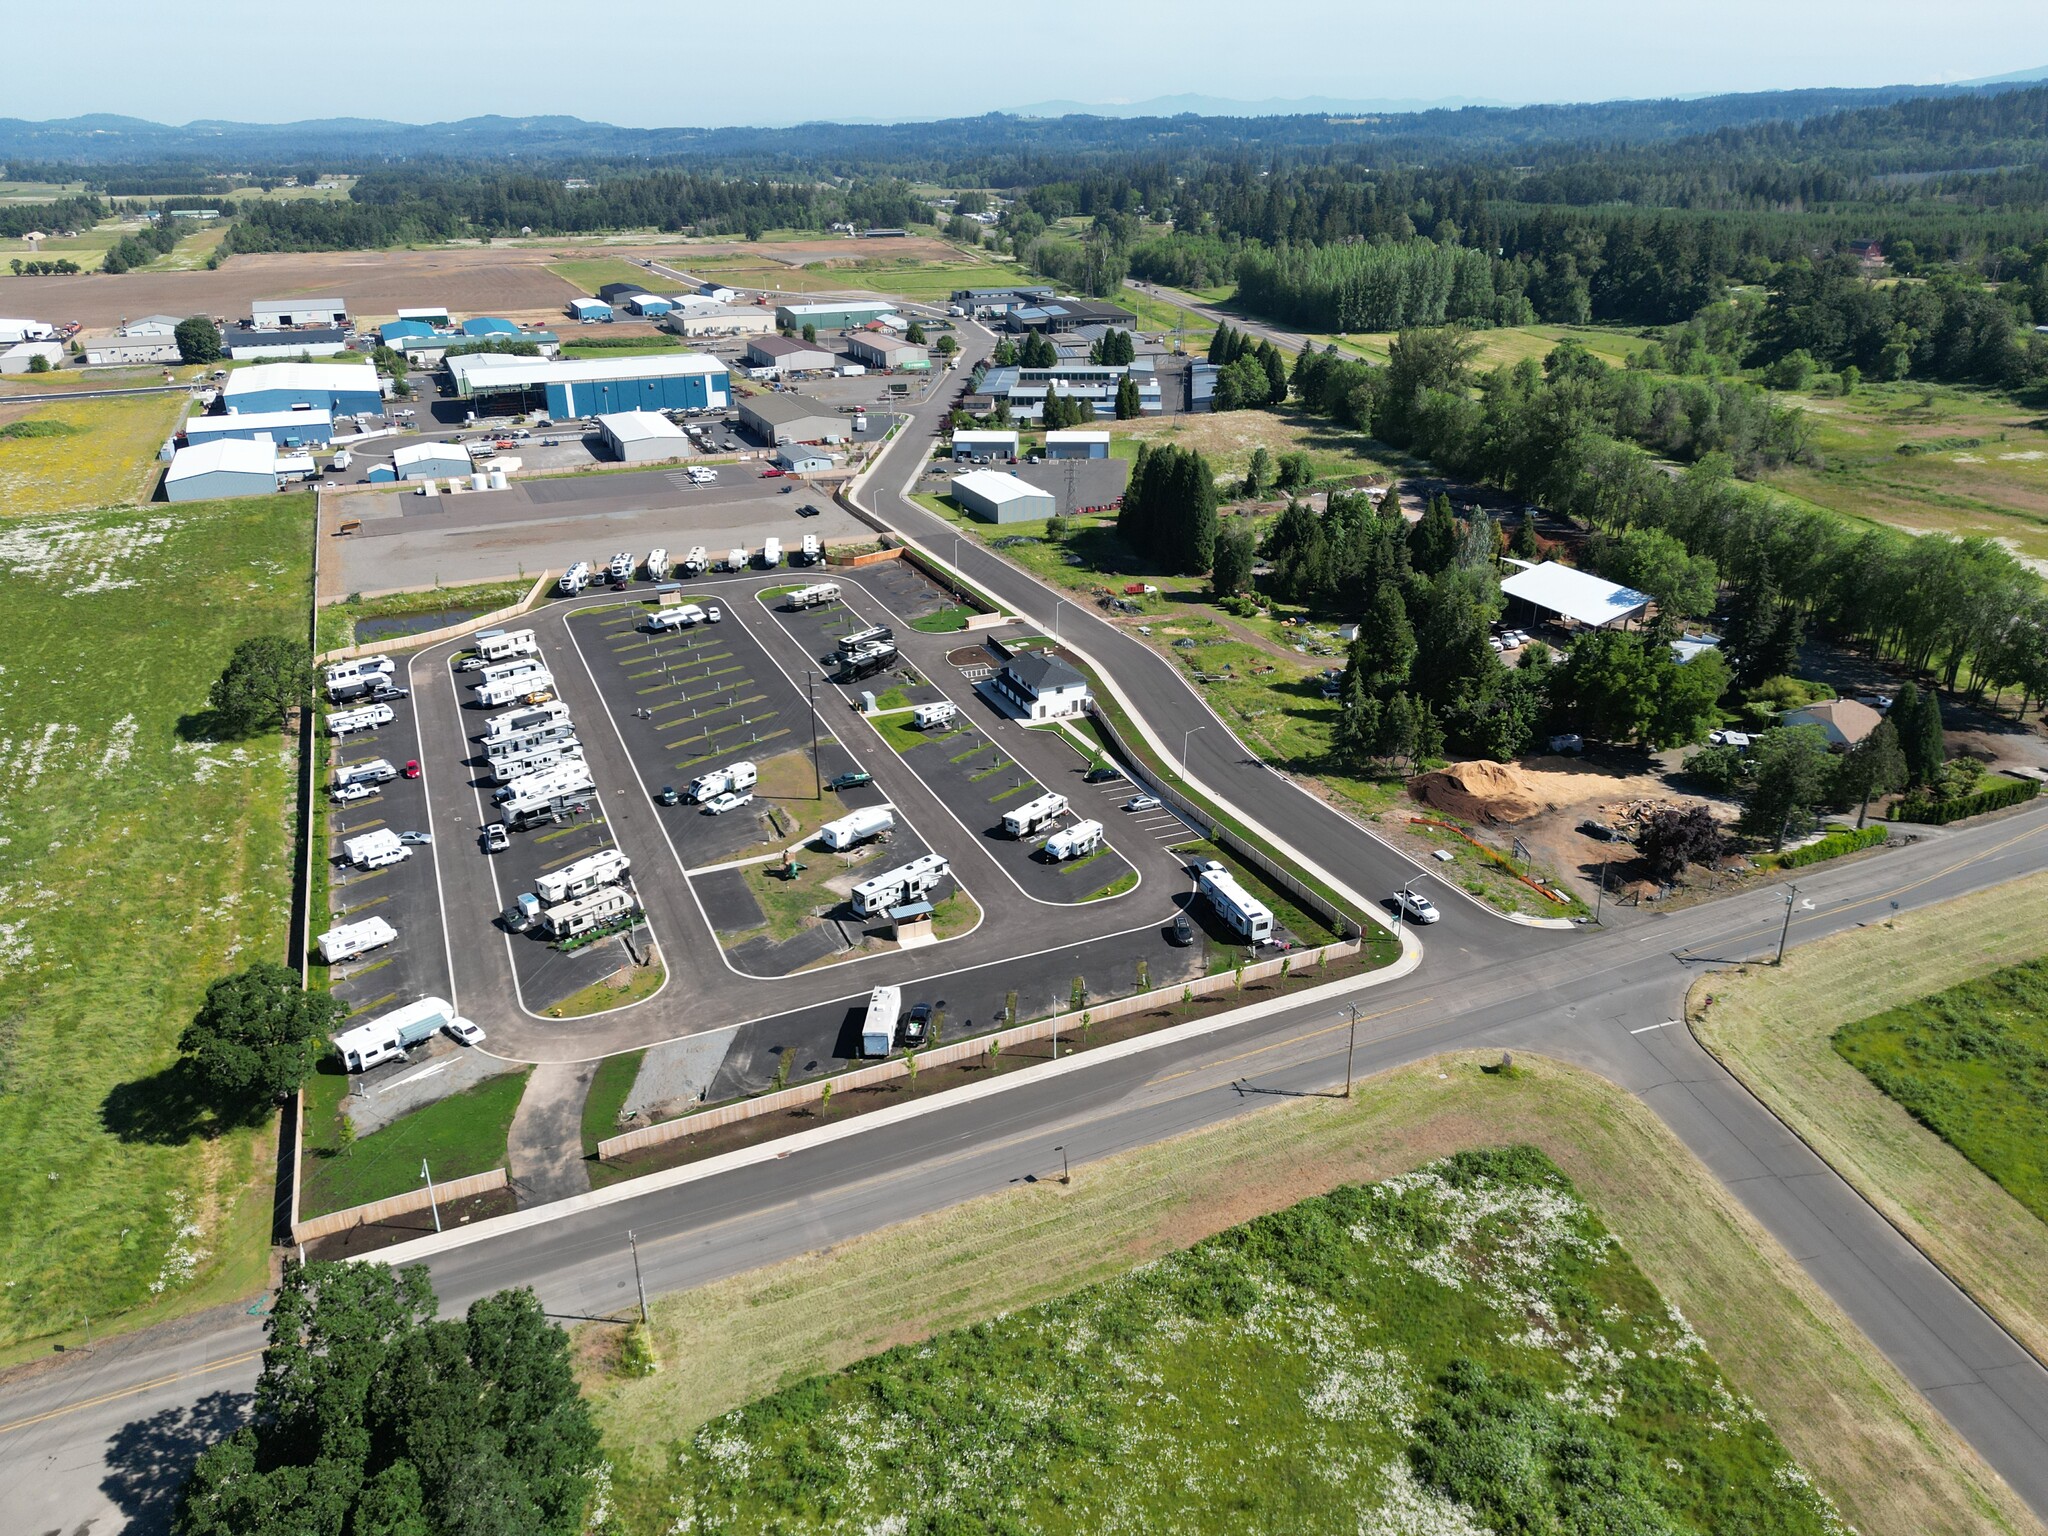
(226, 466)
(151, 325)
(1000, 498)
(26, 330)
(970, 443)
(720, 320)
(144, 347)
(642, 437)
(20, 357)
(275, 314)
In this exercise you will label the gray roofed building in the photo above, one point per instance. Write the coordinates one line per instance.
(790, 418)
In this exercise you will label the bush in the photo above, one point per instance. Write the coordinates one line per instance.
(1833, 846)
(1939, 813)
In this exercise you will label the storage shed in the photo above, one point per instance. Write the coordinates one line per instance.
(999, 498)
(227, 466)
(1577, 597)
(648, 304)
(20, 358)
(790, 418)
(642, 437)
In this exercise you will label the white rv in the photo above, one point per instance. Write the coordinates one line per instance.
(815, 596)
(515, 690)
(657, 564)
(496, 645)
(771, 553)
(696, 562)
(536, 810)
(566, 778)
(506, 671)
(511, 766)
(722, 781)
(857, 827)
(668, 620)
(1083, 837)
(608, 866)
(574, 579)
(346, 722)
(587, 912)
(907, 882)
(363, 669)
(1241, 912)
(349, 940)
(621, 568)
(375, 771)
(811, 552)
(925, 716)
(394, 1033)
(1034, 814)
(735, 560)
(375, 850)
(520, 721)
(878, 1024)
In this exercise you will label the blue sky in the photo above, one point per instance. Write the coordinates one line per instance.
(655, 65)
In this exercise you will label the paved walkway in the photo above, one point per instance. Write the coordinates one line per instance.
(544, 1154)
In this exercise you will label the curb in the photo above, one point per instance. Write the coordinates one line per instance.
(803, 1141)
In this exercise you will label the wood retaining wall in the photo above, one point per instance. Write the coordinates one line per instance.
(397, 1205)
(420, 642)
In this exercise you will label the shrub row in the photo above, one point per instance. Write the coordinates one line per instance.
(1833, 846)
(1940, 813)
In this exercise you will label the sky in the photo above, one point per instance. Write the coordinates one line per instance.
(643, 64)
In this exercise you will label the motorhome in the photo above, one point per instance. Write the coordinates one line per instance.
(865, 663)
(657, 564)
(926, 716)
(565, 778)
(520, 721)
(771, 553)
(906, 882)
(621, 568)
(506, 671)
(348, 940)
(696, 562)
(878, 1023)
(375, 850)
(510, 766)
(667, 620)
(1242, 913)
(574, 579)
(375, 771)
(874, 635)
(346, 722)
(1083, 837)
(857, 827)
(729, 780)
(515, 690)
(496, 645)
(608, 866)
(1033, 815)
(363, 668)
(394, 1033)
(587, 912)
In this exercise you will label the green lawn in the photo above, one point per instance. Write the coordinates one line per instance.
(608, 1089)
(1460, 1349)
(1971, 1064)
(102, 453)
(591, 273)
(145, 860)
(457, 1136)
(946, 621)
(647, 348)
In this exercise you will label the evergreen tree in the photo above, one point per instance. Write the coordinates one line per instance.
(1876, 765)
(1429, 737)
(1356, 737)
(1276, 373)
(1397, 729)
(1196, 551)
(1433, 542)
(1384, 651)
(1128, 406)
(1930, 745)
(1525, 546)
(1258, 475)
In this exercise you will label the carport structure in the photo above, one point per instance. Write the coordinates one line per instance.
(1574, 597)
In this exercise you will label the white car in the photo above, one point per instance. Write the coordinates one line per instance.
(713, 613)
(1729, 738)
(462, 1032)
(1418, 909)
(726, 802)
(1142, 803)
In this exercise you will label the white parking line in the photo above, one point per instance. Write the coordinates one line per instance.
(1667, 1024)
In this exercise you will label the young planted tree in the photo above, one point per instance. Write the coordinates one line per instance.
(1258, 475)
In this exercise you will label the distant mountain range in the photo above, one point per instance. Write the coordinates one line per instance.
(1180, 122)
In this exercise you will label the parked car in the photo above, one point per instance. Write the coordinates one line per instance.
(1182, 934)
(852, 780)
(726, 802)
(1102, 775)
(772, 473)
(462, 1032)
(384, 693)
(668, 796)
(416, 839)
(915, 1027)
(347, 794)
(496, 838)
(1419, 909)
(713, 613)
(1876, 701)
(412, 768)
(1730, 738)
(1142, 803)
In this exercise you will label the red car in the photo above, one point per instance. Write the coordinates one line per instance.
(412, 768)
(773, 474)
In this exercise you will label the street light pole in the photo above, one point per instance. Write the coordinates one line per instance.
(1066, 1177)
(432, 1203)
(638, 1284)
(1351, 1050)
(817, 772)
(1600, 896)
(1190, 731)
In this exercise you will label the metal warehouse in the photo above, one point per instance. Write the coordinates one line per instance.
(131, 349)
(424, 461)
(314, 341)
(343, 389)
(831, 317)
(1077, 445)
(432, 314)
(967, 443)
(880, 350)
(720, 320)
(589, 309)
(292, 429)
(786, 354)
(152, 325)
(648, 304)
(269, 314)
(228, 466)
(397, 330)
(489, 325)
(642, 437)
(689, 381)
(998, 498)
(779, 419)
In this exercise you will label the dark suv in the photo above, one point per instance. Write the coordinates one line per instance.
(915, 1026)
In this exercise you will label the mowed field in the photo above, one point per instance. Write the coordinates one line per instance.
(105, 453)
(139, 861)
(1870, 1442)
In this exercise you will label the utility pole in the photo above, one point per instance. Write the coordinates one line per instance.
(1185, 736)
(1784, 933)
(638, 1285)
(1066, 1176)
(1600, 896)
(432, 1203)
(1351, 1050)
(817, 773)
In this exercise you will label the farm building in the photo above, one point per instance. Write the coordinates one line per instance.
(290, 429)
(343, 389)
(314, 341)
(274, 314)
(786, 354)
(969, 443)
(999, 498)
(106, 350)
(391, 332)
(879, 350)
(227, 466)
(840, 316)
(1077, 445)
(1576, 597)
(429, 314)
(648, 304)
(682, 381)
(589, 309)
(428, 461)
(151, 325)
(20, 357)
(779, 419)
(720, 320)
(642, 437)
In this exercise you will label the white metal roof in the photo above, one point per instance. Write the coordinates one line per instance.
(430, 312)
(294, 306)
(639, 426)
(528, 371)
(260, 376)
(974, 435)
(849, 307)
(235, 455)
(420, 453)
(1577, 595)
(255, 421)
(992, 486)
(1072, 436)
(398, 1018)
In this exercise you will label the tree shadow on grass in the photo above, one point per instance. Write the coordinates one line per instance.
(203, 725)
(148, 1459)
(165, 1109)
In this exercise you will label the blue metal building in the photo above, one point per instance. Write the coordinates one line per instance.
(648, 304)
(289, 429)
(341, 389)
(589, 309)
(393, 330)
(489, 325)
(689, 381)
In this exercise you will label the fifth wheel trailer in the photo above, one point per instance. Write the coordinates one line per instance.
(565, 778)
(511, 669)
(375, 850)
(1242, 912)
(510, 766)
(608, 866)
(1081, 838)
(878, 1023)
(587, 912)
(393, 1033)
(496, 645)
(513, 690)
(514, 722)
(907, 882)
(346, 722)
(856, 827)
(729, 780)
(1033, 814)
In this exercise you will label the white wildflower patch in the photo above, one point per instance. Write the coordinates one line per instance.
(120, 746)
(25, 759)
(17, 949)
(92, 552)
(1409, 1509)
(184, 1256)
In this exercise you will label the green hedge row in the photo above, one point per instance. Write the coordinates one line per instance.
(1940, 813)
(1833, 846)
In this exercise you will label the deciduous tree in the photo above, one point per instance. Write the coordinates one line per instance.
(257, 1037)
(266, 678)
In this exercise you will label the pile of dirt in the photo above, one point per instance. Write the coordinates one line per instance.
(1478, 791)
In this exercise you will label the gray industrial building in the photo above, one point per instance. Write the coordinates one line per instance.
(105, 350)
(642, 437)
(786, 354)
(226, 466)
(999, 498)
(779, 419)
(257, 343)
(272, 314)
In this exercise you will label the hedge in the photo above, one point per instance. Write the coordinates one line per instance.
(1833, 846)
(1940, 813)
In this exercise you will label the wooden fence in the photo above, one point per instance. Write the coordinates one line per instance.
(958, 1050)
(449, 632)
(397, 1205)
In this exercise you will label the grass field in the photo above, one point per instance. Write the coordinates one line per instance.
(457, 1136)
(1508, 345)
(1772, 1027)
(1869, 1440)
(1978, 465)
(648, 348)
(141, 860)
(1227, 440)
(1969, 1064)
(106, 454)
(591, 273)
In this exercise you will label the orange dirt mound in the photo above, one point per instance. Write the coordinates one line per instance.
(1478, 791)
